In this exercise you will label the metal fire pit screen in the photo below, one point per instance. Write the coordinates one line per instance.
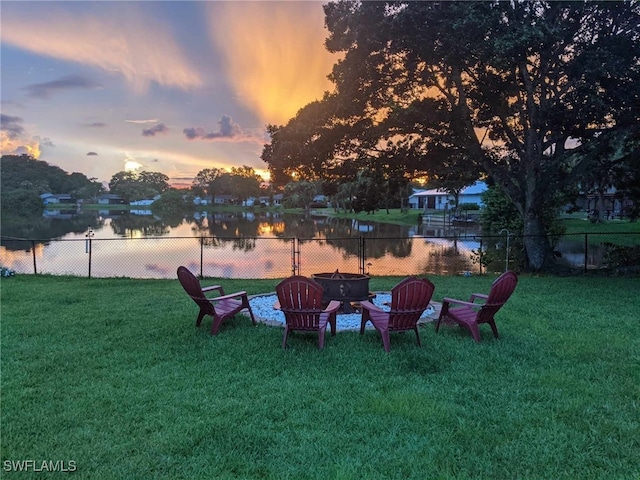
(345, 287)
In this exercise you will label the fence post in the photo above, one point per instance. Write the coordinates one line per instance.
(480, 256)
(295, 267)
(506, 257)
(33, 250)
(293, 256)
(90, 241)
(201, 255)
(87, 245)
(360, 261)
(586, 251)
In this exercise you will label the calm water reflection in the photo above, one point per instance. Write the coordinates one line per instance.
(239, 245)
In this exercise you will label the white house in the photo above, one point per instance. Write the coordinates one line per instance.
(439, 199)
(223, 199)
(110, 199)
(55, 198)
(264, 200)
(202, 200)
(145, 202)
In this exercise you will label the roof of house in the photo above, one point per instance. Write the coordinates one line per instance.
(55, 195)
(475, 189)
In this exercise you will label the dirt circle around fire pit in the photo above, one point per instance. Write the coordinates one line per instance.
(263, 309)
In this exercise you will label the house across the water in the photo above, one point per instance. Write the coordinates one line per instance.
(57, 198)
(438, 199)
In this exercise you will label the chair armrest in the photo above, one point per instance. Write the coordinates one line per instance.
(329, 313)
(481, 296)
(367, 305)
(229, 296)
(333, 307)
(214, 287)
(447, 300)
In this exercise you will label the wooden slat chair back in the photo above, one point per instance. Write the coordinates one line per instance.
(501, 290)
(300, 299)
(470, 314)
(409, 299)
(221, 307)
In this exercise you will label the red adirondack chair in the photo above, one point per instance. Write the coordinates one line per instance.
(470, 314)
(220, 308)
(409, 299)
(300, 300)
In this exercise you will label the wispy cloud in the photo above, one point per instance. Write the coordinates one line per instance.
(69, 82)
(153, 131)
(95, 125)
(91, 154)
(120, 38)
(143, 122)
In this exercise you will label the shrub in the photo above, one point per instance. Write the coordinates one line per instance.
(6, 272)
(622, 256)
(468, 206)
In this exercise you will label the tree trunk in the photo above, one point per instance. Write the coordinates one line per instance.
(536, 243)
(600, 206)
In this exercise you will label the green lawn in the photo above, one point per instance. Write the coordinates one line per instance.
(578, 223)
(113, 375)
(394, 215)
(574, 223)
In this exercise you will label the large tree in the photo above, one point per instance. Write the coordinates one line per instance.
(26, 173)
(23, 179)
(202, 183)
(523, 91)
(137, 186)
(241, 182)
(245, 182)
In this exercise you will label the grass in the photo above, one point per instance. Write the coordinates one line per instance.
(394, 215)
(578, 223)
(617, 232)
(112, 374)
(574, 223)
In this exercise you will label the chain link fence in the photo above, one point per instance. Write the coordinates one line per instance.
(263, 257)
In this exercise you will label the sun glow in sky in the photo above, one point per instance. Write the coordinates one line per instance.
(171, 87)
(131, 166)
(288, 69)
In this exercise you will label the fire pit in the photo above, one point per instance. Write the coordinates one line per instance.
(344, 287)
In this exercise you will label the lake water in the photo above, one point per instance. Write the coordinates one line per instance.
(233, 245)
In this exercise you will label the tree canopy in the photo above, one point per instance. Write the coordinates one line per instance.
(138, 185)
(23, 179)
(25, 172)
(528, 93)
(241, 182)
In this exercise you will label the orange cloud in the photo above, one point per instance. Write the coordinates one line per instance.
(123, 40)
(15, 138)
(273, 53)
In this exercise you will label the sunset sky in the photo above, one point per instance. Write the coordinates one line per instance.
(170, 87)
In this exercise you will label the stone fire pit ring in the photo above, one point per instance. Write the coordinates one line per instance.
(262, 306)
